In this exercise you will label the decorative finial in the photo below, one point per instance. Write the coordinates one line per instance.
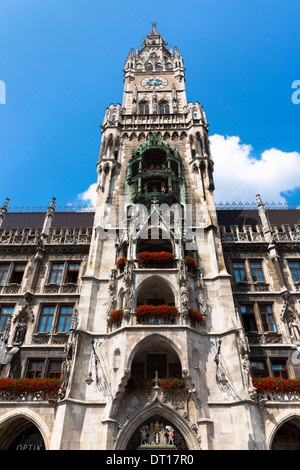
(259, 201)
(3, 209)
(51, 208)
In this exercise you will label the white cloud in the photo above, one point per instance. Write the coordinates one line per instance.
(90, 195)
(239, 176)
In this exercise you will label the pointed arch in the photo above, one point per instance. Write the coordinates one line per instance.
(161, 339)
(288, 424)
(15, 421)
(157, 409)
(155, 290)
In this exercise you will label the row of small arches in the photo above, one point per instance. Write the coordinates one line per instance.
(165, 135)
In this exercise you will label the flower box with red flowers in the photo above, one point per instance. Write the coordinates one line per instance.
(276, 385)
(196, 316)
(172, 384)
(116, 315)
(120, 263)
(160, 258)
(190, 262)
(21, 387)
(160, 311)
(139, 385)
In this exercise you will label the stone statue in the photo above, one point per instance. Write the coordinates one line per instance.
(21, 331)
(293, 327)
(128, 273)
(181, 271)
(246, 369)
(66, 369)
(112, 280)
(6, 331)
(154, 103)
(128, 299)
(184, 297)
(112, 305)
(202, 303)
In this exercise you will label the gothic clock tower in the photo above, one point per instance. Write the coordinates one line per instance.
(158, 334)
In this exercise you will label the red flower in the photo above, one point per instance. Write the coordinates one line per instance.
(276, 384)
(140, 385)
(155, 258)
(116, 315)
(19, 386)
(195, 315)
(121, 262)
(172, 384)
(190, 262)
(164, 311)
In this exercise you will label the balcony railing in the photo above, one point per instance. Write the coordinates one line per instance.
(70, 288)
(277, 389)
(23, 390)
(192, 319)
(64, 236)
(247, 234)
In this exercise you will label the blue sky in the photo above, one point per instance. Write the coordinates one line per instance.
(62, 62)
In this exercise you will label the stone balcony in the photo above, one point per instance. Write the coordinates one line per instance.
(70, 288)
(28, 397)
(283, 397)
(31, 237)
(180, 319)
(247, 234)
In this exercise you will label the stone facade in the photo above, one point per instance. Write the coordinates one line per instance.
(62, 277)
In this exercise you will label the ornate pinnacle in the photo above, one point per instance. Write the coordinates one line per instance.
(259, 201)
(51, 208)
(3, 209)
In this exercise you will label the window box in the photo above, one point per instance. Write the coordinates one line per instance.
(160, 311)
(277, 385)
(156, 259)
(29, 388)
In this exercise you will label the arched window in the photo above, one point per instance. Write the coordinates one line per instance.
(144, 107)
(164, 107)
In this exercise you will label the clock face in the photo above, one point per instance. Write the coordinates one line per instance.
(154, 82)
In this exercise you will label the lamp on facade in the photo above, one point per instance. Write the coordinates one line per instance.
(223, 379)
(89, 379)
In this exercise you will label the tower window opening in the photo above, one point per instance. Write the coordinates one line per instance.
(144, 107)
(164, 107)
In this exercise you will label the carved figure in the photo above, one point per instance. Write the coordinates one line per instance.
(128, 299)
(144, 433)
(293, 327)
(128, 273)
(202, 303)
(112, 303)
(181, 271)
(184, 297)
(66, 369)
(170, 435)
(21, 331)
